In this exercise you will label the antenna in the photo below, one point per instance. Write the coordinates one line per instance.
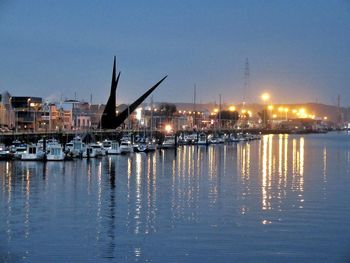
(151, 124)
(194, 105)
(246, 81)
(219, 112)
(339, 112)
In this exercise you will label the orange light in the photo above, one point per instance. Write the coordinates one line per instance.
(232, 108)
(265, 96)
(168, 128)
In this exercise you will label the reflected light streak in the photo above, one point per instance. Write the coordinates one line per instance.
(285, 170)
(324, 165)
(27, 205)
(270, 163)
(280, 155)
(99, 201)
(294, 153)
(265, 201)
(138, 201)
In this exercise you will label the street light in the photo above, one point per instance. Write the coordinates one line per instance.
(265, 97)
(232, 108)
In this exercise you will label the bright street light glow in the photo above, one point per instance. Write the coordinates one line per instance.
(265, 96)
(232, 108)
(168, 128)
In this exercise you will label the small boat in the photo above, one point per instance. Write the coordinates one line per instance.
(202, 139)
(106, 145)
(151, 145)
(114, 148)
(141, 147)
(126, 146)
(76, 147)
(192, 138)
(55, 153)
(97, 147)
(89, 152)
(212, 139)
(17, 149)
(169, 142)
(34, 153)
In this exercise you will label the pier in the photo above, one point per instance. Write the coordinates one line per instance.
(99, 135)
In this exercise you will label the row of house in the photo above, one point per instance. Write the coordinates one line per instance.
(26, 113)
(33, 114)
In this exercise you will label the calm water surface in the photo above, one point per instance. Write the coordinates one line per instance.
(281, 199)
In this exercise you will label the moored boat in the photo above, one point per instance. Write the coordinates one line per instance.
(34, 153)
(55, 153)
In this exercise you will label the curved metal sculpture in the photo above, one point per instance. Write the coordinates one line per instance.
(109, 118)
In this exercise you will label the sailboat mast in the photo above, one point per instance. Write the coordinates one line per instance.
(194, 105)
(151, 125)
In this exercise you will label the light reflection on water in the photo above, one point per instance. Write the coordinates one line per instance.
(281, 198)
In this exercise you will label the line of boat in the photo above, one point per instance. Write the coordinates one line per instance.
(52, 150)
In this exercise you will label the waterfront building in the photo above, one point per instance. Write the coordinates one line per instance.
(78, 113)
(7, 119)
(96, 111)
(55, 118)
(27, 111)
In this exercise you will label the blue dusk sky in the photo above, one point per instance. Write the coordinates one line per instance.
(297, 50)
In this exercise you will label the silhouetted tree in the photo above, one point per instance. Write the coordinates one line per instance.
(264, 115)
(228, 118)
(167, 109)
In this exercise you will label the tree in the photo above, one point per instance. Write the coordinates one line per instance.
(264, 115)
(229, 117)
(167, 109)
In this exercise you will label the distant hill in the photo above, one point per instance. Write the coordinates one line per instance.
(318, 109)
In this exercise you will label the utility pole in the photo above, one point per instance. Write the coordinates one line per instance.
(194, 106)
(219, 112)
(246, 81)
(339, 119)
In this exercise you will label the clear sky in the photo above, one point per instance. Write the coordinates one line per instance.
(298, 50)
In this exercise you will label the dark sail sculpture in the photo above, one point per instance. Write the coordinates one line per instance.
(109, 119)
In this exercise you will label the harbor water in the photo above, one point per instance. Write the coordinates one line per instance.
(284, 198)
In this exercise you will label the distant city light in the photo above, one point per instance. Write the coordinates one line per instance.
(232, 108)
(138, 113)
(265, 96)
(168, 128)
